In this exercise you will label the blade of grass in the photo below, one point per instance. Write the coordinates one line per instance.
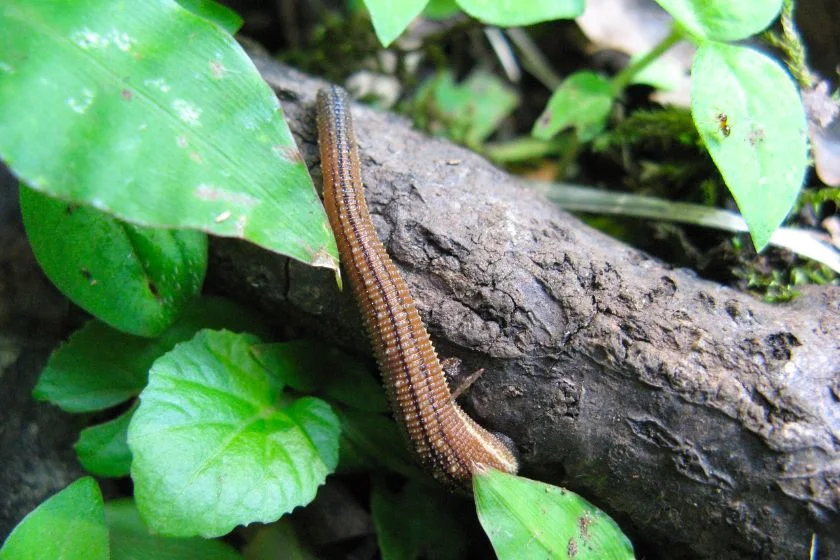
(585, 199)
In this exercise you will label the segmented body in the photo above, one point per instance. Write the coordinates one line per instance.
(447, 442)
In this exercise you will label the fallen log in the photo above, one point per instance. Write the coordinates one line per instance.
(707, 423)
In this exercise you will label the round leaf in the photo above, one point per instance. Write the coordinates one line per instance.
(508, 13)
(582, 101)
(133, 278)
(526, 519)
(723, 20)
(212, 448)
(69, 526)
(153, 114)
(750, 117)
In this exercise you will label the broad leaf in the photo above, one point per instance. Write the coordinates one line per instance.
(509, 13)
(391, 17)
(133, 278)
(103, 449)
(213, 447)
(221, 15)
(526, 519)
(582, 101)
(100, 367)
(131, 539)
(68, 526)
(151, 113)
(723, 20)
(749, 115)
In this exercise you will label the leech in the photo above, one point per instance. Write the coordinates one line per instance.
(447, 443)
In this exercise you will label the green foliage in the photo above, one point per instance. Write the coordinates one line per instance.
(245, 451)
(103, 449)
(69, 525)
(526, 519)
(131, 540)
(390, 18)
(748, 112)
(222, 16)
(100, 107)
(135, 279)
(100, 367)
(439, 526)
(582, 102)
(309, 366)
(521, 12)
(778, 286)
(723, 20)
(468, 112)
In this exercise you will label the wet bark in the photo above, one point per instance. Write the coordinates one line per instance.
(706, 422)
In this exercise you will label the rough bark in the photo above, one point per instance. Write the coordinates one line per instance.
(705, 421)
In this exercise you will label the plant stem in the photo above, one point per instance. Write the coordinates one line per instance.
(622, 79)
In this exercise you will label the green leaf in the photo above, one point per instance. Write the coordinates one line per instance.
(509, 13)
(391, 17)
(212, 446)
(307, 365)
(103, 449)
(750, 117)
(468, 112)
(100, 106)
(133, 278)
(221, 15)
(369, 440)
(69, 526)
(582, 101)
(723, 20)
(274, 541)
(100, 367)
(441, 9)
(527, 519)
(131, 540)
(439, 526)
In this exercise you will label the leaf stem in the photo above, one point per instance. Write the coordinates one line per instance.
(622, 79)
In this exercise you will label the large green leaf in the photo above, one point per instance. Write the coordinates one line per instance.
(213, 447)
(131, 539)
(509, 13)
(391, 17)
(527, 519)
(749, 115)
(149, 112)
(723, 20)
(100, 367)
(135, 279)
(68, 526)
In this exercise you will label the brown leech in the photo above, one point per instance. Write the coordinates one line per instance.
(447, 442)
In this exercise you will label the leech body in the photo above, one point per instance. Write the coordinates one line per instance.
(446, 441)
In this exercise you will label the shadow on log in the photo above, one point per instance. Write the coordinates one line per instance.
(706, 422)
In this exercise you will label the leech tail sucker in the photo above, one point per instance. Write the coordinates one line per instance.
(447, 442)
